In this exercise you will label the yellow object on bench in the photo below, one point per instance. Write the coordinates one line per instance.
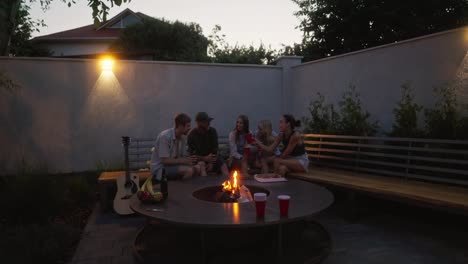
(107, 185)
(140, 150)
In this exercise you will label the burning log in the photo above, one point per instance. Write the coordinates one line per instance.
(234, 192)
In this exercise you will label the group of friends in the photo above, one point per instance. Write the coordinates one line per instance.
(185, 152)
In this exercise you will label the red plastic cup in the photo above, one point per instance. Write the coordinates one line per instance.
(284, 204)
(260, 204)
(250, 138)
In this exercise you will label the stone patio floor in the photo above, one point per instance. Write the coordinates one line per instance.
(384, 232)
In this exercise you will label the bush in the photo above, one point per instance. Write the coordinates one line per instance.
(323, 117)
(353, 119)
(406, 115)
(445, 120)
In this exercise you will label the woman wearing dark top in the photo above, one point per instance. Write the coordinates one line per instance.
(238, 143)
(293, 156)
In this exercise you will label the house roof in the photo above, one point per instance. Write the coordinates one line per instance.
(90, 32)
(116, 18)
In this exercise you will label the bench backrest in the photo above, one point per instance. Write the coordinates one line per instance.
(444, 161)
(140, 150)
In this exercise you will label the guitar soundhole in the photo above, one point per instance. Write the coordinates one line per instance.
(131, 186)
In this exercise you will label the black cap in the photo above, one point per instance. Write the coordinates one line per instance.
(203, 116)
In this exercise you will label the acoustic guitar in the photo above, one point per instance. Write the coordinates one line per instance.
(127, 185)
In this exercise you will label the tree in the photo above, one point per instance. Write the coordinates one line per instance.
(175, 41)
(10, 8)
(20, 44)
(332, 27)
(221, 52)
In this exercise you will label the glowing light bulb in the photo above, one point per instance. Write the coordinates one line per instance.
(107, 64)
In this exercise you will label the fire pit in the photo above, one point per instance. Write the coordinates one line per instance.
(196, 217)
(230, 191)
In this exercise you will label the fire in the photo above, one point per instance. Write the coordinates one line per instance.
(234, 187)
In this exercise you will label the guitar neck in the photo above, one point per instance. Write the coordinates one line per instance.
(126, 142)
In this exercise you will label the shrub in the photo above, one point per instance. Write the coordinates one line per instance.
(444, 119)
(351, 119)
(323, 117)
(354, 120)
(406, 115)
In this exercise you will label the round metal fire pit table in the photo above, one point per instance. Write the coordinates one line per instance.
(207, 227)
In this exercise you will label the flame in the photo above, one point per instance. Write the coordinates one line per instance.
(234, 187)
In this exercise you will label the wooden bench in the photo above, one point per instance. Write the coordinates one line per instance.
(421, 171)
(139, 152)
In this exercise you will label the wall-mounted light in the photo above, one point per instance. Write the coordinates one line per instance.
(107, 63)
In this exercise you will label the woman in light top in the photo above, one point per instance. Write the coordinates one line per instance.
(266, 136)
(238, 145)
(293, 156)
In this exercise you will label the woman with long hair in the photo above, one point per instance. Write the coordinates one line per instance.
(293, 156)
(238, 146)
(266, 136)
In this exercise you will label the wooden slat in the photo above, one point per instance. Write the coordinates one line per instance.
(410, 157)
(438, 179)
(142, 139)
(135, 146)
(342, 144)
(329, 157)
(343, 151)
(415, 167)
(140, 153)
(362, 169)
(137, 168)
(434, 194)
(394, 164)
(389, 139)
(139, 159)
(393, 173)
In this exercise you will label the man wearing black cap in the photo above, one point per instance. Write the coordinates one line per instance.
(202, 142)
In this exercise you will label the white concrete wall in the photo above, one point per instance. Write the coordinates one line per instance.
(71, 115)
(71, 49)
(378, 74)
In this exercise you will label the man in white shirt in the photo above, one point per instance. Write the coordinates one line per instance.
(170, 152)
